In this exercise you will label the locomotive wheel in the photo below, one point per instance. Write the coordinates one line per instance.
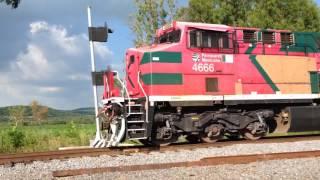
(162, 142)
(163, 135)
(193, 139)
(250, 136)
(212, 133)
(207, 139)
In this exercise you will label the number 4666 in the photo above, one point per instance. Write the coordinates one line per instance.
(203, 67)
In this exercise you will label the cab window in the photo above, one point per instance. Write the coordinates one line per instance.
(249, 36)
(286, 38)
(170, 37)
(208, 39)
(268, 37)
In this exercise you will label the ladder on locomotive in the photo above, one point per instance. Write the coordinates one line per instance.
(136, 120)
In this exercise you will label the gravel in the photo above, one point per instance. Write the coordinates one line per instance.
(278, 169)
(285, 169)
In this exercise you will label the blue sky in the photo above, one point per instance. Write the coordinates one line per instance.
(45, 54)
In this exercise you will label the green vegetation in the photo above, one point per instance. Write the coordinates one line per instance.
(53, 114)
(296, 15)
(39, 128)
(44, 137)
(294, 133)
(150, 16)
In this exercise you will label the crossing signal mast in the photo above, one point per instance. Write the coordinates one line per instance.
(96, 34)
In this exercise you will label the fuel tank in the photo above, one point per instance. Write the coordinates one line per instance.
(304, 118)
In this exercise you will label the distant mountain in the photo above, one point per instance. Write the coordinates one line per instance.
(86, 111)
(56, 113)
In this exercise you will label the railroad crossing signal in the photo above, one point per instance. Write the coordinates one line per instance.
(99, 34)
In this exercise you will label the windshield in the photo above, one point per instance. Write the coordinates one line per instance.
(170, 37)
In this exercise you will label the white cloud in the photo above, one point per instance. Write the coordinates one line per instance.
(77, 77)
(50, 89)
(54, 68)
(33, 64)
(35, 27)
(102, 50)
(58, 36)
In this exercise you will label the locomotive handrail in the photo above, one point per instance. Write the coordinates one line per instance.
(125, 88)
(277, 43)
(145, 94)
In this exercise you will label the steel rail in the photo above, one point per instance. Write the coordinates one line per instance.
(209, 161)
(11, 159)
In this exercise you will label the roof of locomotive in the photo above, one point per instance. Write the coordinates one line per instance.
(203, 25)
(181, 25)
(207, 26)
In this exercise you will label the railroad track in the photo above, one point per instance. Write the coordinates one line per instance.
(210, 161)
(11, 159)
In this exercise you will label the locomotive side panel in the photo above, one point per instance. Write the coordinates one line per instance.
(288, 74)
(270, 74)
(249, 76)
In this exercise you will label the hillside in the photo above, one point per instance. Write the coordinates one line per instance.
(52, 113)
(84, 111)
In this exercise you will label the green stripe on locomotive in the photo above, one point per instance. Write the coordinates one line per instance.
(162, 79)
(161, 57)
(263, 73)
(308, 42)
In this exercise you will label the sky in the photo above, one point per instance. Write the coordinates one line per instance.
(44, 49)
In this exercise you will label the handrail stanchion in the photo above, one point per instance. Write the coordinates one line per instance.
(125, 88)
(147, 99)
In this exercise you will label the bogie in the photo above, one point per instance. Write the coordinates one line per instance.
(210, 126)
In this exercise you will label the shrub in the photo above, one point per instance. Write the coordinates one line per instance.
(16, 138)
(72, 130)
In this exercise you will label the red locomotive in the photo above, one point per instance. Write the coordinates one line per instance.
(206, 81)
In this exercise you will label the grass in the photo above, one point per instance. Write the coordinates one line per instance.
(45, 137)
(294, 133)
(50, 135)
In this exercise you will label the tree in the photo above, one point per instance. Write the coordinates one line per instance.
(13, 3)
(16, 114)
(216, 11)
(150, 15)
(298, 15)
(39, 113)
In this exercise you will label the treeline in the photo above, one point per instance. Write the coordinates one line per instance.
(298, 15)
(295, 15)
(36, 113)
(17, 114)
